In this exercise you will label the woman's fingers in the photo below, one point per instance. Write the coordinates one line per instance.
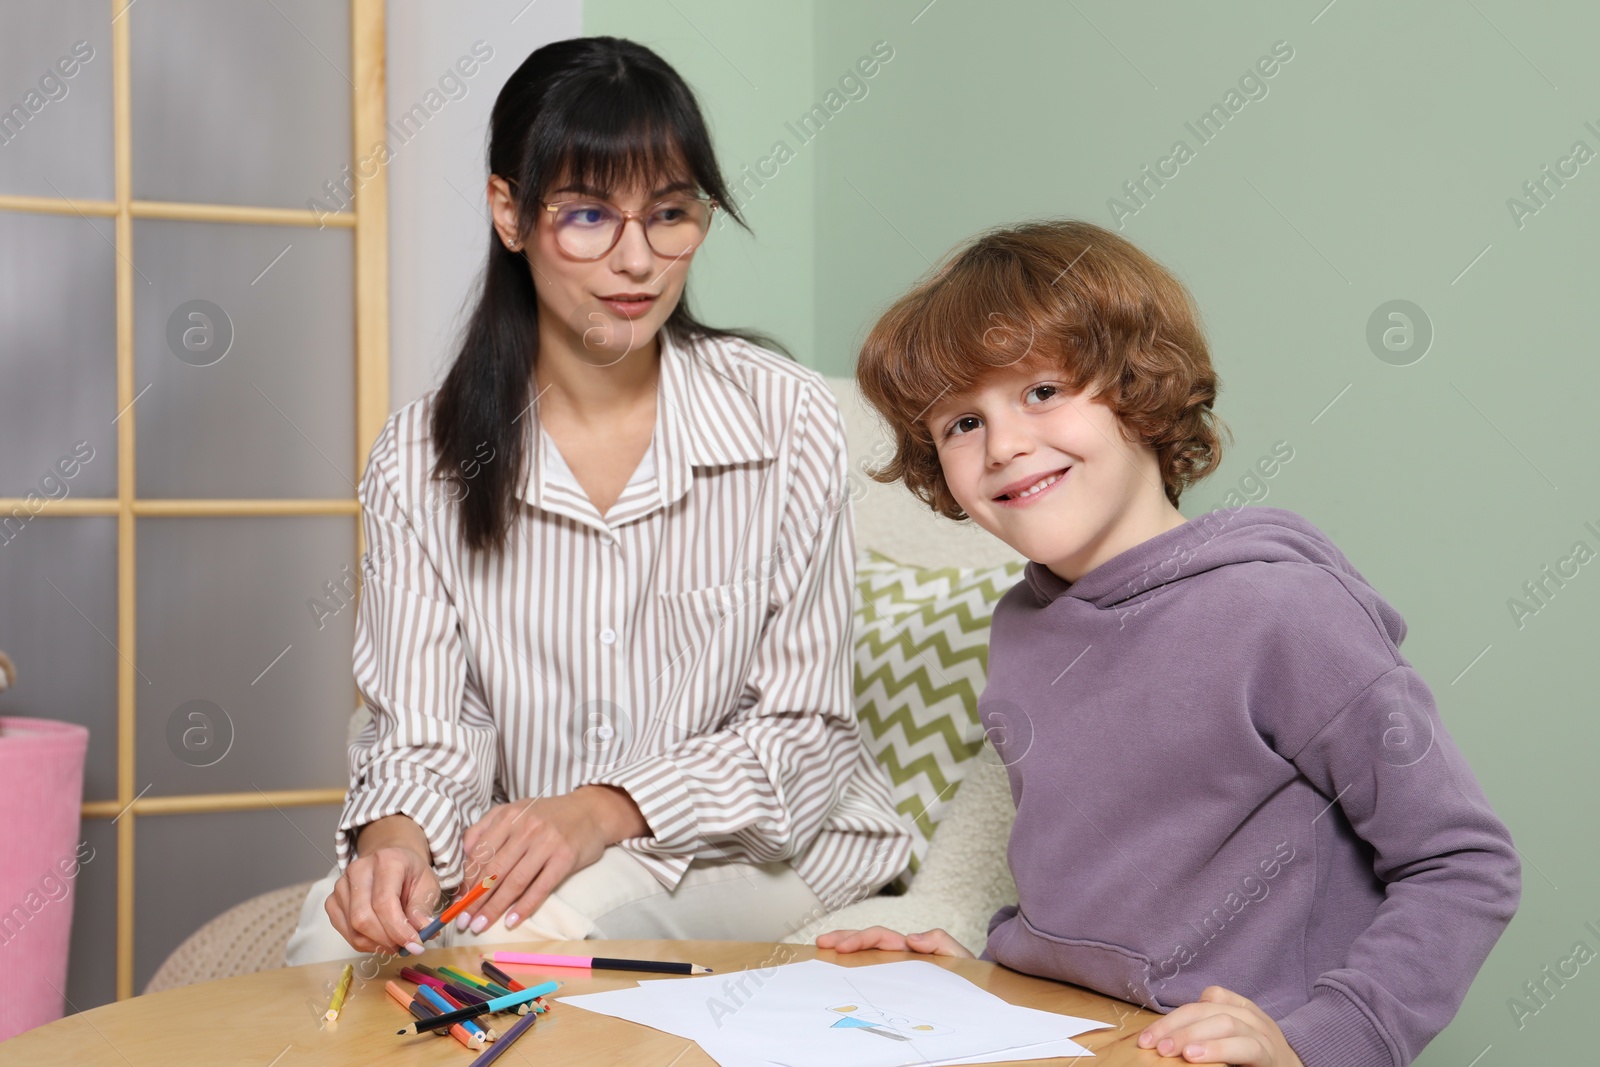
(338, 908)
(390, 881)
(527, 860)
(493, 846)
(359, 914)
(556, 867)
(475, 842)
(370, 901)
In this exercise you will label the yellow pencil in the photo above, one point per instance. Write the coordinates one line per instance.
(339, 992)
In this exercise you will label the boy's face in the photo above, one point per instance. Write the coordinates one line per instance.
(1048, 472)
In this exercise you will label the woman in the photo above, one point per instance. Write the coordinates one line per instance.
(604, 630)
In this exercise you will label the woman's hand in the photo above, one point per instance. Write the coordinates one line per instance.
(931, 942)
(533, 845)
(1220, 1027)
(387, 893)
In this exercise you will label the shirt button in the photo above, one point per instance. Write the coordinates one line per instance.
(608, 636)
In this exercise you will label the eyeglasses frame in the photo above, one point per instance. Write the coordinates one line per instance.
(641, 215)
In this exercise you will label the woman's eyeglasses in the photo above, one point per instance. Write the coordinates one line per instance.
(674, 226)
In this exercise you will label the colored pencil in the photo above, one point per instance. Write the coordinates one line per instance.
(421, 1011)
(599, 963)
(466, 996)
(502, 977)
(402, 997)
(487, 1056)
(431, 931)
(474, 982)
(489, 989)
(339, 993)
(498, 1004)
(442, 1004)
(477, 891)
(460, 998)
(411, 974)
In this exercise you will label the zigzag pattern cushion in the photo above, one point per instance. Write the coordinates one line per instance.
(921, 660)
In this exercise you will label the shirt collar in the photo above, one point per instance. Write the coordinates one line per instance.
(704, 418)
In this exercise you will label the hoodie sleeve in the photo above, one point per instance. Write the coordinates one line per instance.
(1451, 875)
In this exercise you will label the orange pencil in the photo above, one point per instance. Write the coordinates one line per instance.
(431, 931)
(424, 1011)
(477, 891)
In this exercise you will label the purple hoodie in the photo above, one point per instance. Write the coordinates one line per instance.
(1226, 773)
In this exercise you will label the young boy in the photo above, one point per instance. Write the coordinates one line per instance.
(1236, 802)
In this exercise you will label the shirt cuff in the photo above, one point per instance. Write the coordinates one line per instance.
(659, 790)
(434, 813)
(1333, 1030)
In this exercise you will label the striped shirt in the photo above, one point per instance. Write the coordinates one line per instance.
(692, 646)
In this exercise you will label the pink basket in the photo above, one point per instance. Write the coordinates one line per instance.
(41, 790)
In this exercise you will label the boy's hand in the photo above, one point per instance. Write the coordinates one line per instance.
(1220, 1027)
(931, 943)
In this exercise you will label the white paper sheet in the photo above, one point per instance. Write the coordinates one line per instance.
(881, 1015)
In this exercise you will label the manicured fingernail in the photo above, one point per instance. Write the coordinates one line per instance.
(462, 920)
(512, 920)
(479, 923)
(414, 947)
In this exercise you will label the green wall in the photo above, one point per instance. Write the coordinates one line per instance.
(751, 76)
(1377, 167)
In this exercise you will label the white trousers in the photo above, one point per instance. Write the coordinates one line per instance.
(614, 898)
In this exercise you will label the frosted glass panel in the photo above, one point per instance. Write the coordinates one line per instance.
(58, 354)
(245, 336)
(58, 622)
(91, 970)
(244, 102)
(245, 691)
(55, 99)
(188, 869)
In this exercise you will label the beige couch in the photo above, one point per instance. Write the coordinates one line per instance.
(964, 877)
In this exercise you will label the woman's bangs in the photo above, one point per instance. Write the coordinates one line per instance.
(610, 145)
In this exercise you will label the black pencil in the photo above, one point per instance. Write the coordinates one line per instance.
(444, 1020)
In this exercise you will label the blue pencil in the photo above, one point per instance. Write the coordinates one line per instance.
(433, 996)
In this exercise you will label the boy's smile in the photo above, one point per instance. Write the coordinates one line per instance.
(1048, 471)
(1025, 491)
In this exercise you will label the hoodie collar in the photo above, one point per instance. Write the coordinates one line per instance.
(1149, 563)
(1216, 539)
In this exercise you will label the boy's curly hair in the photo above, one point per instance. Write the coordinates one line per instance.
(1065, 294)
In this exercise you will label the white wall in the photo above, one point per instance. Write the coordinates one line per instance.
(438, 220)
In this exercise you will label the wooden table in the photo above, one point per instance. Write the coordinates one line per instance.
(273, 1018)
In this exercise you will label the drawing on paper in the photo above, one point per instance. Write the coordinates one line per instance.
(885, 1024)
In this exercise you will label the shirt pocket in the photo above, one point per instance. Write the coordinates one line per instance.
(708, 639)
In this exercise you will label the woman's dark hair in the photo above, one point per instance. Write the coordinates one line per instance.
(597, 111)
